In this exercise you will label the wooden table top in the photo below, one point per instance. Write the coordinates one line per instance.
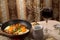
(49, 26)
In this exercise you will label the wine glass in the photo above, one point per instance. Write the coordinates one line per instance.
(47, 14)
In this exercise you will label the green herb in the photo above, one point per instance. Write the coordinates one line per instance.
(19, 30)
(14, 30)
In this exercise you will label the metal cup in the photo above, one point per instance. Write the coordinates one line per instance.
(38, 32)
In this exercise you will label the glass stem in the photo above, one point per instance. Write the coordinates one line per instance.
(46, 20)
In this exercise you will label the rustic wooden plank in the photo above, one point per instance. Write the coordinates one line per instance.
(4, 10)
(0, 15)
(21, 9)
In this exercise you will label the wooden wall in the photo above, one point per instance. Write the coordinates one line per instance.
(4, 10)
(56, 9)
(0, 15)
(21, 9)
(33, 8)
(12, 7)
(28, 9)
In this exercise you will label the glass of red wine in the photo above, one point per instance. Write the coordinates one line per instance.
(46, 14)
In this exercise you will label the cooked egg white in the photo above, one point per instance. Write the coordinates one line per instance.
(20, 33)
(7, 28)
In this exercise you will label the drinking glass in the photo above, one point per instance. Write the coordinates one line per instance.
(38, 32)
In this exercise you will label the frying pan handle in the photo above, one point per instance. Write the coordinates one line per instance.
(3, 33)
(0, 24)
(0, 28)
